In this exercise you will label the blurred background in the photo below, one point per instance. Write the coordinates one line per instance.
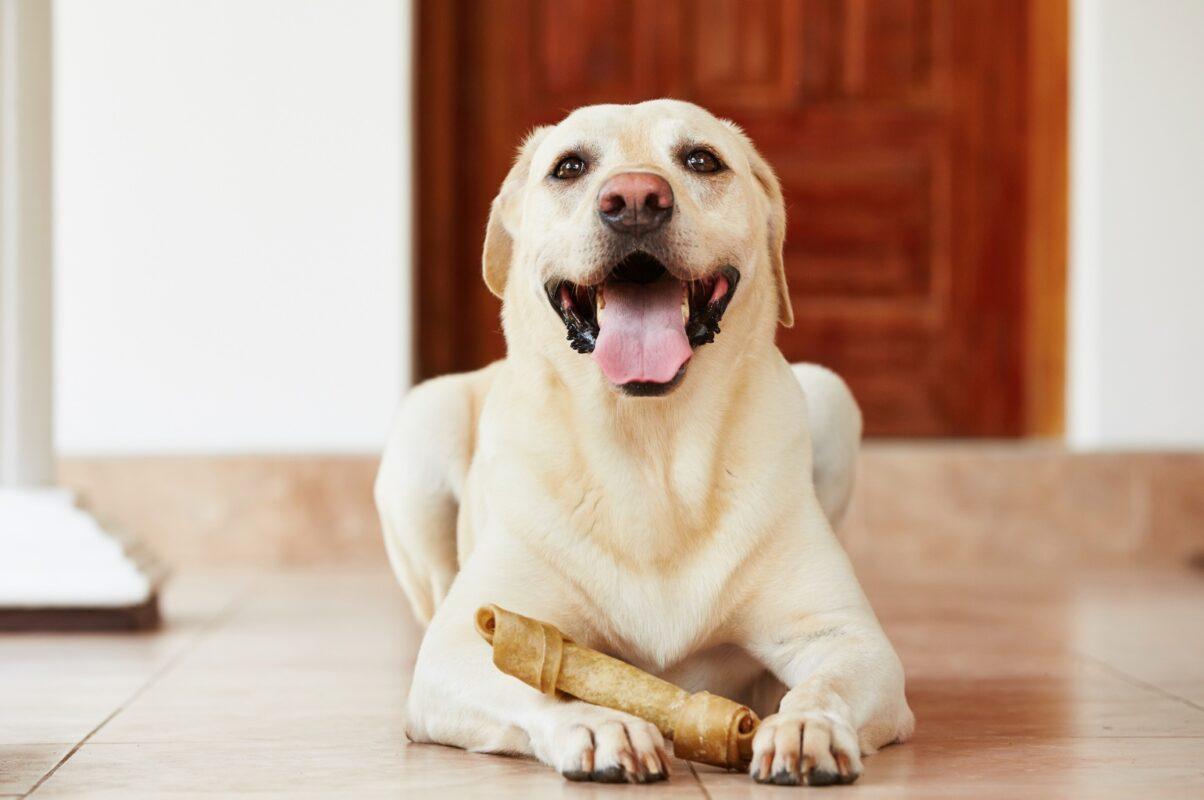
(267, 219)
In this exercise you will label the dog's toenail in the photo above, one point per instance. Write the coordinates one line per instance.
(821, 777)
(576, 775)
(785, 778)
(610, 775)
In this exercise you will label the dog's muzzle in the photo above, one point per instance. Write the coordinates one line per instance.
(640, 323)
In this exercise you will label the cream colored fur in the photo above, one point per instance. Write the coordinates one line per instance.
(691, 534)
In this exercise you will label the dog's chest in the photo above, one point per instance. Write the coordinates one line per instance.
(654, 615)
(651, 543)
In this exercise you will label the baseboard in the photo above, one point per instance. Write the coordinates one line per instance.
(269, 510)
(1035, 503)
(914, 503)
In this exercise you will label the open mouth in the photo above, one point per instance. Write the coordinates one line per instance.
(641, 323)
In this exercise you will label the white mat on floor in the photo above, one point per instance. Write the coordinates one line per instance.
(52, 554)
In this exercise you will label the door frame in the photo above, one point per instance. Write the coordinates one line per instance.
(1047, 215)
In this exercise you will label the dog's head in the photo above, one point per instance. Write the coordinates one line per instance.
(635, 230)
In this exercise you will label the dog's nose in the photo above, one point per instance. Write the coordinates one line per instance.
(635, 202)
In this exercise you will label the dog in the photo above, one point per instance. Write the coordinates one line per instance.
(656, 487)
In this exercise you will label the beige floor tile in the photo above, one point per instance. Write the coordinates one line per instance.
(1013, 767)
(348, 769)
(296, 707)
(308, 660)
(1021, 683)
(21, 765)
(1150, 629)
(56, 689)
(1083, 702)
(1190, 690)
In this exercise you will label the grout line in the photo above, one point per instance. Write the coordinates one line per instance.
(698, 781)
(1134, 680)
(222, 617)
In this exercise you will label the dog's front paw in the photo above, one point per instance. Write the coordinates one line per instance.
(596, 744)
(815, 748)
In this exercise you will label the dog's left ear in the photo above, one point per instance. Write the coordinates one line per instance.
(768, 181)
(499, 236)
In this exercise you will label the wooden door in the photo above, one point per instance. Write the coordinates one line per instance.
(920, 144)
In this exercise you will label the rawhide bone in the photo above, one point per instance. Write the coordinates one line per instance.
(703, 727)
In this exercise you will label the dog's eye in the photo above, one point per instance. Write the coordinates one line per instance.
(703, 161)
(569, 167)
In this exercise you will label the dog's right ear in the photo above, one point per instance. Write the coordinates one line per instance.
(499, 236)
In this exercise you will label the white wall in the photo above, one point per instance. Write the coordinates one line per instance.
(1137, 242)
(232, 224)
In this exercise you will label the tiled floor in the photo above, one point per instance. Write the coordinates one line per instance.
(1025, 685)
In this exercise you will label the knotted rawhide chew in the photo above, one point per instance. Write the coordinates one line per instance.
(525, 648)
(703, 727)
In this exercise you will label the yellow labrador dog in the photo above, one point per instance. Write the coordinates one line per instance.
(655, 485)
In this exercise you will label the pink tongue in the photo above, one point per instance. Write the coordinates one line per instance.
(642, 336)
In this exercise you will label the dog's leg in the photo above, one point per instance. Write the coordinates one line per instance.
(458, 697)
(835, 423)
(820, 637)
(419, 484)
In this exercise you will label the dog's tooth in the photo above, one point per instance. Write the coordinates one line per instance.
(685, 305)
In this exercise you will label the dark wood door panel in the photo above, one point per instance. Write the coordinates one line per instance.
(898, 128)
(863, 223)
